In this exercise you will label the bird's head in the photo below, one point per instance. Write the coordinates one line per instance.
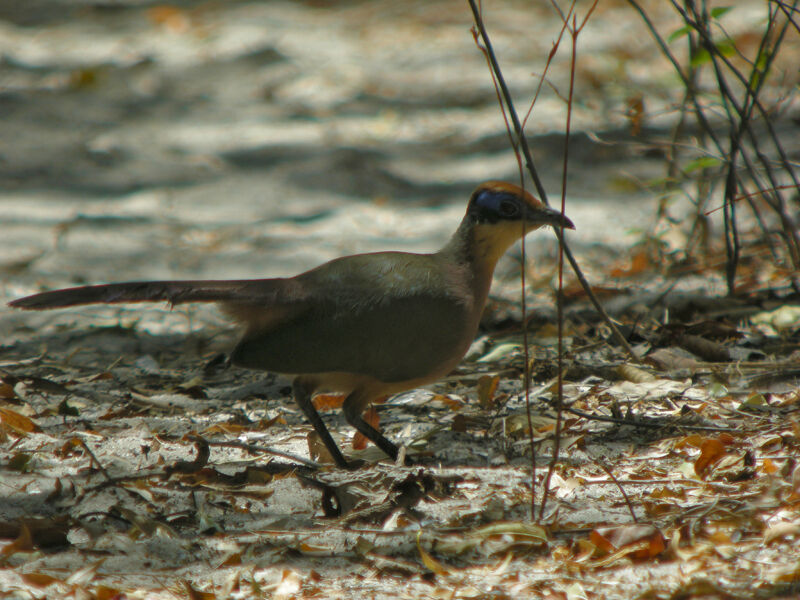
(500, 213)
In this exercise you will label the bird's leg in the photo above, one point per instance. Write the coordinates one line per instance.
(303, 390)
(353, 408)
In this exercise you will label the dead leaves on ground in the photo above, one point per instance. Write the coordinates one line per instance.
(703, 446)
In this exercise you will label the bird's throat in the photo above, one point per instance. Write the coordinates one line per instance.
(479, 247)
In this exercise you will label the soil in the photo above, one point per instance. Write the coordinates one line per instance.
(222, 140)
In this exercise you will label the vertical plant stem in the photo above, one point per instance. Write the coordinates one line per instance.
(574, 31)
(526, 152)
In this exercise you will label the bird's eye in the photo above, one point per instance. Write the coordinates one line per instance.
(508, 208)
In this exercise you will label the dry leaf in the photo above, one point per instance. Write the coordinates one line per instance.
(634, 374)
(451, 403)
(634, 112)
(372, 418)
(430, 563)
(18, 423)
(640, 541)
(711, 451)
(487, 386)
(232, 560)
(671, 358)
(328, 401)
(782, 530)
(224, 428)
(102, 592)
(24, 543)
(317, 450)
(195, 594)
(45, 532)
(86, 574)
(706, 349)
(289, 585)
(39, 580)
(639, 263)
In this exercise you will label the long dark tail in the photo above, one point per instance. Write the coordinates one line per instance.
(174, 292)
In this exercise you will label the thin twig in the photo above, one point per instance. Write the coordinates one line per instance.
(739, 117)
(523, 285)
(603, 466)
(99, 465)
(255, 448)
(526, 152)
(574, 32)
(640, 423)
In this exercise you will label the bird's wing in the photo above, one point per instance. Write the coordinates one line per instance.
(391, 316)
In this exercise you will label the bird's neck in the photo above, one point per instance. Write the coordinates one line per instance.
(478, 247)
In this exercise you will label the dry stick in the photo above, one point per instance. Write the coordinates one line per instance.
(497, 73)
(650, 424)
(99, 465)
(695, 236)
(111, 481)
(700, 115)
(603, 466)
(677, 134)
(687, 85)
(515, 148)
(787, 10)
(771, 196)
(559, 298)
(543, 76)
(526, 151)
(731, 236)
(559, 303)
(256, 448)
(574, 32)
(732, 245)
(752, 85)
(527, 369)
(761, 225)
(776, 203)
(251, 449)
(527, 373)
(771, 53)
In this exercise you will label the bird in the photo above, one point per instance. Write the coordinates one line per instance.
(365, 326)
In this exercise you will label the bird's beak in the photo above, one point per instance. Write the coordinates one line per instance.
(544, 215)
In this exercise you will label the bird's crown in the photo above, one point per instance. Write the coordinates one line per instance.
(497, 201)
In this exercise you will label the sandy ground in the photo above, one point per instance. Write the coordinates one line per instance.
(256, 139)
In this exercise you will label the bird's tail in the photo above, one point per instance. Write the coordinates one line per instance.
(174, 292)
